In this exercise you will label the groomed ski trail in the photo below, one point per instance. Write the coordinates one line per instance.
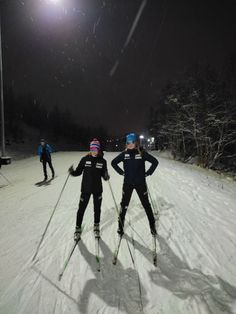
(195, 271)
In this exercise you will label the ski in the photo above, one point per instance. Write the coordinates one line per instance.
(115, 255)
(154, 250)
(97, 256)
(40, 183)
(69, 257)
(67, 260)
(45, 182)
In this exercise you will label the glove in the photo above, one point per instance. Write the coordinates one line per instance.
(106, 177)
(41, 159)
(71, 169)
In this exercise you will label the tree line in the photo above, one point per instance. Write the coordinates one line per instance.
(54, 124)
(195, 117)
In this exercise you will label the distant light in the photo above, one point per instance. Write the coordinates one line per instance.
(141, 137)
(153, 139)
(149, 140)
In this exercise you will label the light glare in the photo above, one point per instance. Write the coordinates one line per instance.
(54, 1)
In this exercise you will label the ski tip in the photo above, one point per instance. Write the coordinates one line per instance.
(59, 277)
(114, 261)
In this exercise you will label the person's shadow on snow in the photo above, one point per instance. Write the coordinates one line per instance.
(118, 287)
(176, 276)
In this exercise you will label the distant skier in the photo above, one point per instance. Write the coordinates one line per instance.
(134, 173)
(94, 167)
(44, 152)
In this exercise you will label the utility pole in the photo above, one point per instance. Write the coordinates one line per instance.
(4, 159)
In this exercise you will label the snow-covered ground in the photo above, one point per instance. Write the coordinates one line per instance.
(196, 271)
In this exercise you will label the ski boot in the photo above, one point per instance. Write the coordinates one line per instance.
(96, 230)
(120, 231)
(77, 234)
(153, 231)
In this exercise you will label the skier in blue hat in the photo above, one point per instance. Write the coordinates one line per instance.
(133, 158)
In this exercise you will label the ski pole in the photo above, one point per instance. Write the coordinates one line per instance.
(116, 206)
(130, 253)
(5, 178)
(119, 219)
(67, 261)
(156, 211)
(43, 235)
(113, 198)
(69, 256)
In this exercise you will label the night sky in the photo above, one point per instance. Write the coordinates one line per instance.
(80, 55)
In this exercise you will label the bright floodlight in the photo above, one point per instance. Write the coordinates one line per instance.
(54, 1)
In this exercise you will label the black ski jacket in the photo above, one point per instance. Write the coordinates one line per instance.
(93, 169)
(134, 165)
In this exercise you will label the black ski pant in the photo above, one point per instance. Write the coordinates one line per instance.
(84, 199)
(45, 161)
(143, 196)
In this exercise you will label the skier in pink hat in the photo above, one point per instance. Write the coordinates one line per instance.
(94, 167)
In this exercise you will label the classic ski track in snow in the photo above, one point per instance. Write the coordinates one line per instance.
(196, 247)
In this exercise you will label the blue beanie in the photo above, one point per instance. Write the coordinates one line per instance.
(131, 138)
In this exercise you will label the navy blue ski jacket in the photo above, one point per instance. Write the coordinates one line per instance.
(134, 165)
